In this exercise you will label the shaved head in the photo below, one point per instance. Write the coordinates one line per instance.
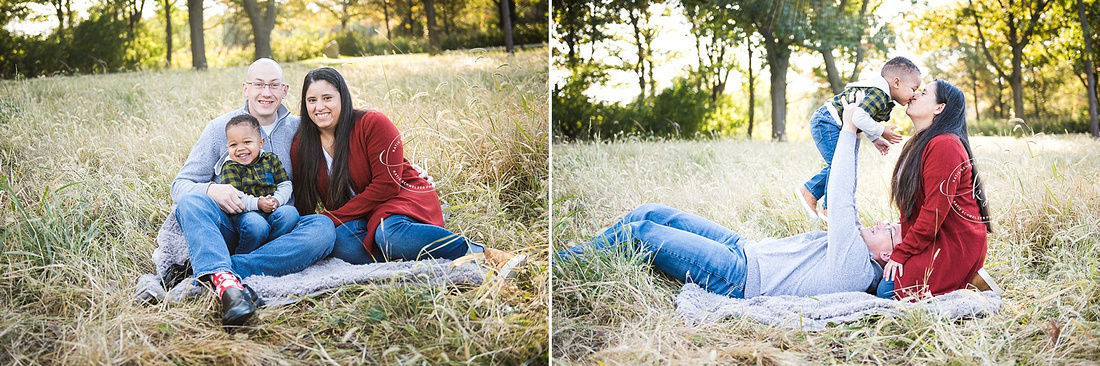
(265, 64)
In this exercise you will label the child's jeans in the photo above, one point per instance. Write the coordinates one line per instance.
(256, 228)
(825, 132)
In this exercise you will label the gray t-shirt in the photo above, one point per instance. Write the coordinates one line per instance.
(818, 262)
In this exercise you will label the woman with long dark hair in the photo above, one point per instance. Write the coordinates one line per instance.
(349, 164)
(944, 211)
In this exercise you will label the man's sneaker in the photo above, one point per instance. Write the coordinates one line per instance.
(807, 200)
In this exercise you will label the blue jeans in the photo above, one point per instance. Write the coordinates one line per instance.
(400, 237)
(825, 133)
(213, 241)
(682, 245)
(257, 227)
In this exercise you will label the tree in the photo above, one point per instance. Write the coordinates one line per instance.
(841, 27)
(715, 38)
(198, 45)
(1019, 21)
(429, 19)
(263, 21)
(168, 32)
(1090, 72)
(506, 23)
(344, 10)
(386, 15)
(781, 24)
(636, 14)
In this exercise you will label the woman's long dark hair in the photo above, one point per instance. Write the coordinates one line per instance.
(906, 181)
(311, 156)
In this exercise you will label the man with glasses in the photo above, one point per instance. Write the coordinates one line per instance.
(203, 202)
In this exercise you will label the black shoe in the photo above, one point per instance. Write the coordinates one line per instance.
(175, 274)
(237, 307)
(256, 299)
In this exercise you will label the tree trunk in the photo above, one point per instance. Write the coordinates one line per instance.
(60, 8)
(386, 16)
(262, 24)
(639, 67)
(409, 19)
(752, 92)
(1016, 81)
(433, 34)
(974, 84)
(506, 24)
(835, 82)
(1089, 71)
(1000, 98)
(168, 32)
(779, 58)
(198, 46)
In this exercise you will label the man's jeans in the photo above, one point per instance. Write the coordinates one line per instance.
(825, 133)
(256, 227)
(685, 246)
(400, 237)
(213, 241)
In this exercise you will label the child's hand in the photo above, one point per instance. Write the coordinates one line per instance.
(267, 204)
(889, 134)
(882, 146)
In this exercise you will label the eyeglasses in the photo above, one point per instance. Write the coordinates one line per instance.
(257, 85)
(890, 229)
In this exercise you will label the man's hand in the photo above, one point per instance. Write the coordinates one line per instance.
(226, 197)
(848, 119)
(882, 146)
(890, 269)
(889, 134)
(267, 203)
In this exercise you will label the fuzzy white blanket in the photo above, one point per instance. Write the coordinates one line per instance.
(316, 279)
(816, 313)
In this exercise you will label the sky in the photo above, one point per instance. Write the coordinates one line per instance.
(676, 40)
(48, 20)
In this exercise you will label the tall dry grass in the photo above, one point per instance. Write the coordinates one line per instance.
(85, 167)
(1045, 199)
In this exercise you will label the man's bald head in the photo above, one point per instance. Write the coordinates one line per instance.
(267, 66)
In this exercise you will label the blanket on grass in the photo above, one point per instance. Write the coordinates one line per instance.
(815, 313)
(323, 276)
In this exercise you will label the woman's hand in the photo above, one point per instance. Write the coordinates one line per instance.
(890, 269)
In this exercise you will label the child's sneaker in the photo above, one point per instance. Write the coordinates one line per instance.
(809, 203)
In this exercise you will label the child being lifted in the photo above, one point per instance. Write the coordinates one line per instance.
(900, 79)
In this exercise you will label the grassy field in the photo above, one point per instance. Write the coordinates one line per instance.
(85, 168)
(1045, 202)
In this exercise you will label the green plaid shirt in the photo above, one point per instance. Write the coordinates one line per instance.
(259, 178)
(876, 102)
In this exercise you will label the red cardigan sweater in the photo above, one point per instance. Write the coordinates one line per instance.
(383, 180)
(944, 242)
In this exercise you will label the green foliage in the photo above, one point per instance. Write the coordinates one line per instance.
(681, 111)
(97, 45)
